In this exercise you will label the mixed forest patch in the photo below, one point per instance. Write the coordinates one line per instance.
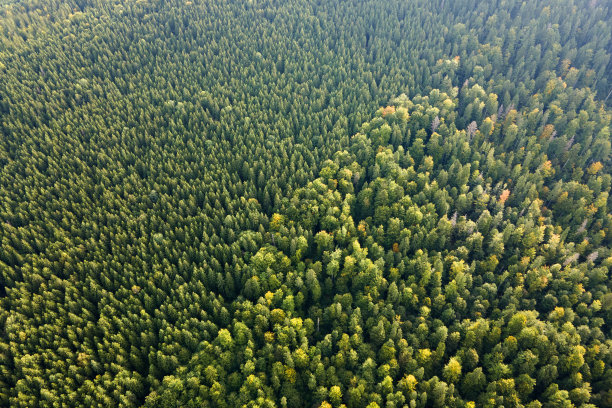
(421, 267)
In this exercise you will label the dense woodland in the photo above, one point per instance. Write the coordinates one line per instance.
(319, 203)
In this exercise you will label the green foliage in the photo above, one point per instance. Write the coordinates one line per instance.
(185, 221)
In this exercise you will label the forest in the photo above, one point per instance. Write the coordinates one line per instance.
(315, 203)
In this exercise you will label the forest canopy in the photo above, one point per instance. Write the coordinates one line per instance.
(323, 203)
